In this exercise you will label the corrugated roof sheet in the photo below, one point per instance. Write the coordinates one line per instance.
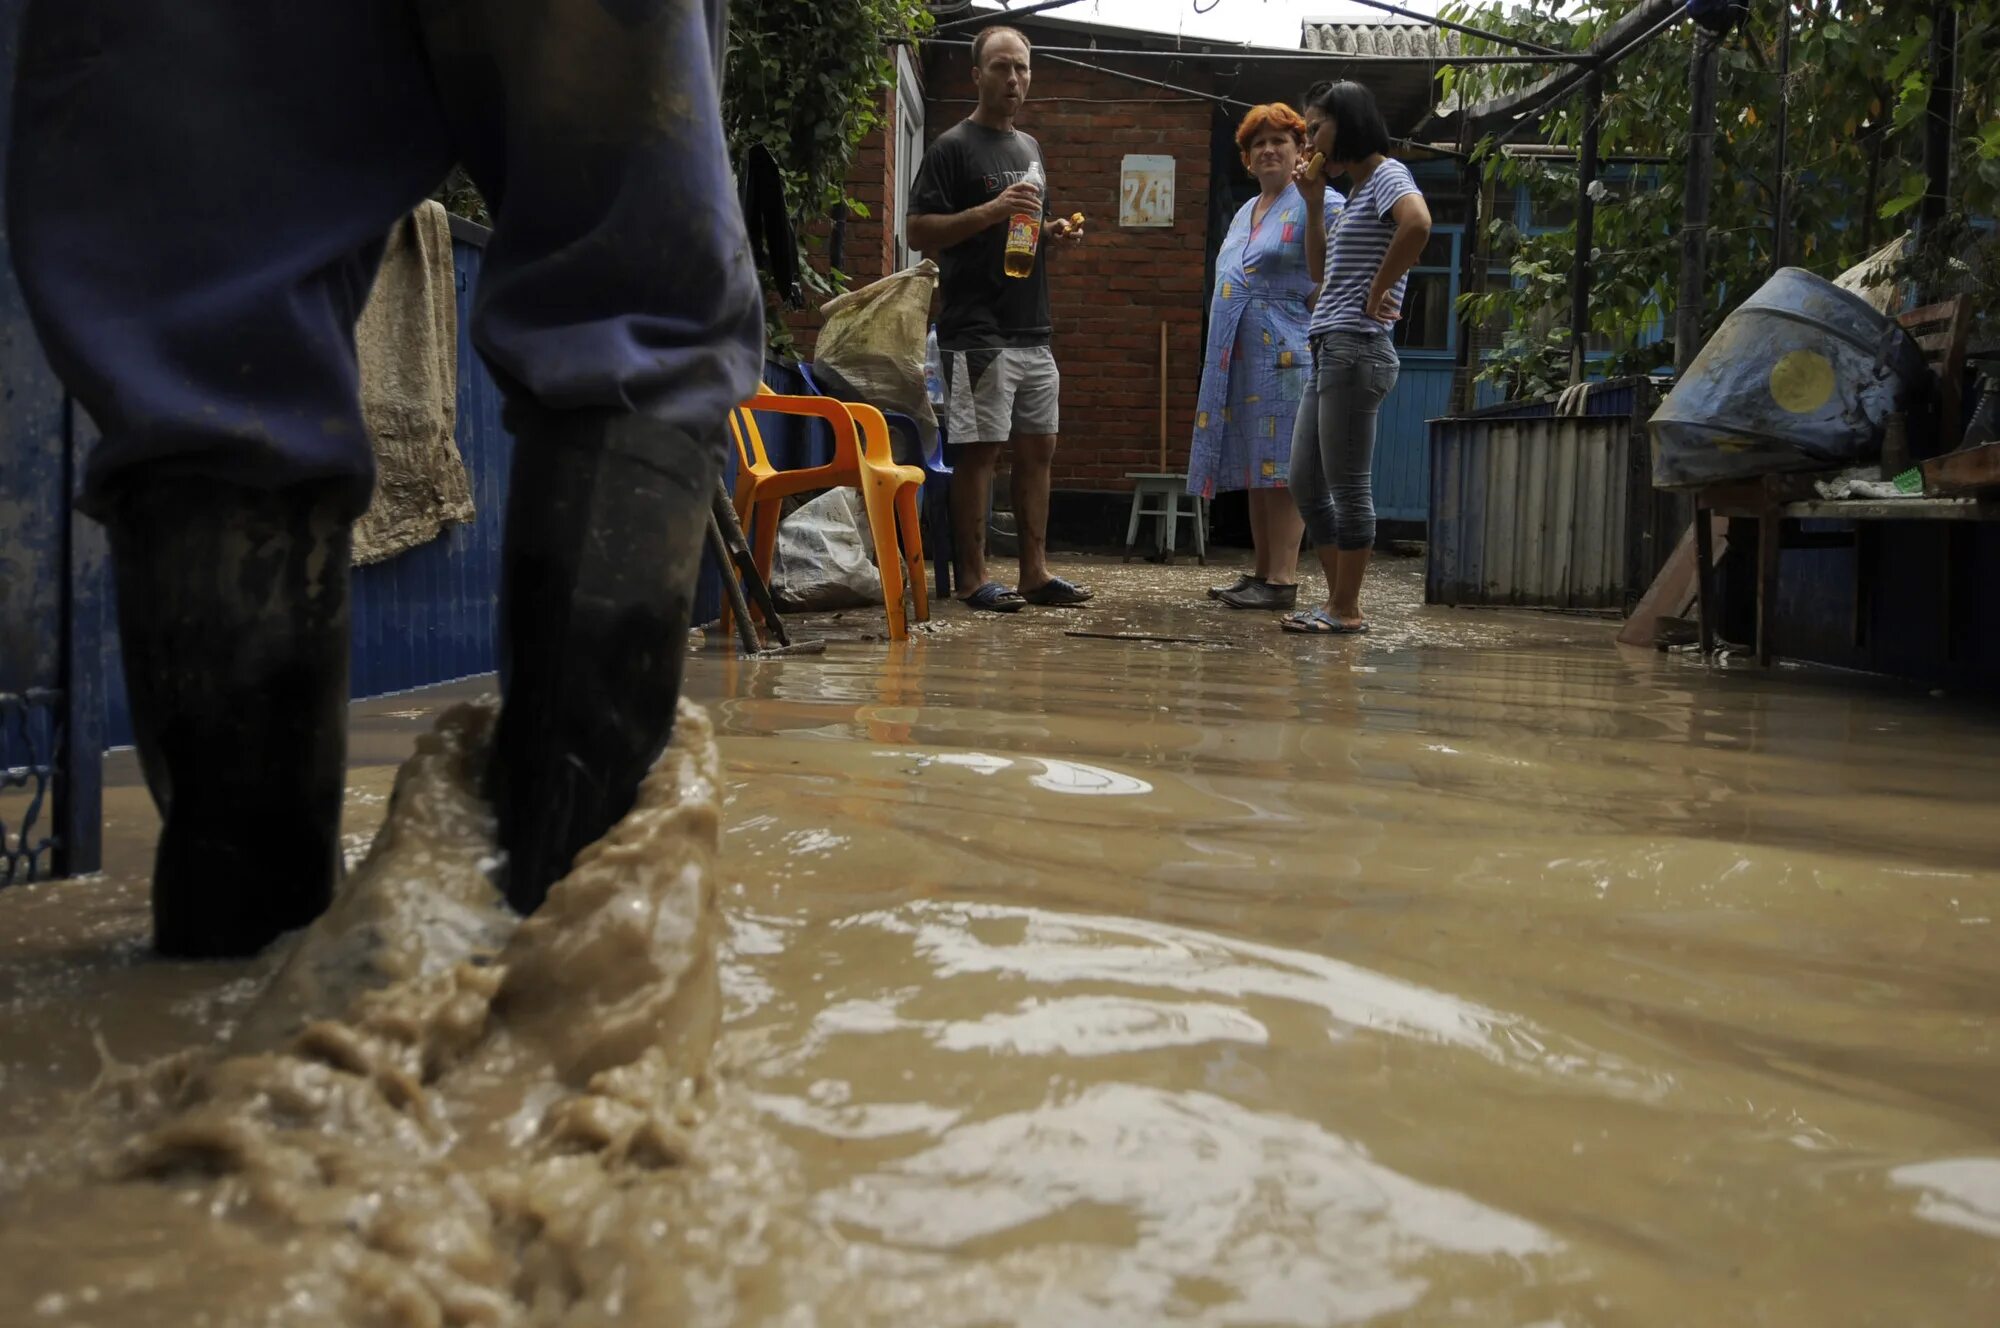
(1408, 41)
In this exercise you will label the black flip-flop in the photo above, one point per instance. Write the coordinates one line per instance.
(1056, 593)
(995, 598)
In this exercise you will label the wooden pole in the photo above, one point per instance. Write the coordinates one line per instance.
(1163, 397)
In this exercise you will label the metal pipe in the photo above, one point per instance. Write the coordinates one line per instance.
(1554, 152)
(1692, 299)
(739, 608)
(1560, 85)
(1586, 227)
(1151, 82)
(1781, 223)
(1292, 57)
(1938, 116)
(1431, 20)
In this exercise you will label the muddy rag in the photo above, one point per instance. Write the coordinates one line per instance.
(408, 344)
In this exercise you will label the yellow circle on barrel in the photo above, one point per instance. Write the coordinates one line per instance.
(1802, 381)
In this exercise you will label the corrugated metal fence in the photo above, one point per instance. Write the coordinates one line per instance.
(1528, 508)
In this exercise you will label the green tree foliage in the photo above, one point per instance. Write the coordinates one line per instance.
(806, 79)
(1857, 96)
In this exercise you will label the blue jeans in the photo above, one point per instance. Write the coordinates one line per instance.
(198, 194)
(1333, 439)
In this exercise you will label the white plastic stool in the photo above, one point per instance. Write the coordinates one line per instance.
(1171, 490)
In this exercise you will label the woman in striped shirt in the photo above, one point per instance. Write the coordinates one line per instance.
(1367, 260)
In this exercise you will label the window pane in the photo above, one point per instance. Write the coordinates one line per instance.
(1438, 251)
(1449, 210)
(1426, 321)
(1551, 210)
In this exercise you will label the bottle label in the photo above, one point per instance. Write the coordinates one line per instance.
(1024, 232)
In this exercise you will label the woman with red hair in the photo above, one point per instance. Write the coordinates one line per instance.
(1258, 355)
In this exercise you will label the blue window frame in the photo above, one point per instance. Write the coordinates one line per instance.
(1428, 328)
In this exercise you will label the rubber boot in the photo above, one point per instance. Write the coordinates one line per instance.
(233, 618)
(606, 517)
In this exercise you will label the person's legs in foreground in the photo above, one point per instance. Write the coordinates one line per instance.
(197, 198)
(620, 311)
(1332, 478)
(196, 261)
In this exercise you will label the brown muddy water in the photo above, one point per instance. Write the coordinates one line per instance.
(1473, 972)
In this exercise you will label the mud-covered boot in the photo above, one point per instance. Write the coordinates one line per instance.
(233, 622)
(605, 520)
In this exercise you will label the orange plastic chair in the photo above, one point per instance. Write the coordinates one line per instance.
(862, 459)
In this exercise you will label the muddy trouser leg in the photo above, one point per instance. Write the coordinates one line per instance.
(197, 194)
(620, 312)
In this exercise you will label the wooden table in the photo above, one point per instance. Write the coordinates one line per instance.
(1775, 500)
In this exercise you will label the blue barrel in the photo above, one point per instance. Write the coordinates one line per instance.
(1800, 377)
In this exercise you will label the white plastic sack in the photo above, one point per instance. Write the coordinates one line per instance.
(876, 338)
(1871, 279)
(822, 559)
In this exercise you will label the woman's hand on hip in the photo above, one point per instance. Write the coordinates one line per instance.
(1384, 306)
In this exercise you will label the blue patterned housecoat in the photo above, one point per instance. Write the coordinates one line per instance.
(1258, 357)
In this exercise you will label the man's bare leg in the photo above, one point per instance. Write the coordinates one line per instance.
(1034, 458)
(971, 492)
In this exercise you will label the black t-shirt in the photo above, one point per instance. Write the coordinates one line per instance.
(983, 307)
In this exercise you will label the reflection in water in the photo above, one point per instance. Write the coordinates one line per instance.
(1471, 972)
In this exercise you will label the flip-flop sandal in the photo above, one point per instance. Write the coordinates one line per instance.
(995, 598)
(1318, 622)
(1057, 593)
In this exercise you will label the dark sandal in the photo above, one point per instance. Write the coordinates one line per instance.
(1057, 593)
(1318, 622)
(995, 598)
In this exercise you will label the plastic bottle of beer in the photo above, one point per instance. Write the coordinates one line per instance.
(1024, 229)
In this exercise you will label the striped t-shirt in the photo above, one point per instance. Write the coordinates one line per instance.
(1355, 248)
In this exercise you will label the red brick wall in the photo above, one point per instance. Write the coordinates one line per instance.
(1110, 296)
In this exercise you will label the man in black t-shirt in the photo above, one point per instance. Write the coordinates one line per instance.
(1001, 384)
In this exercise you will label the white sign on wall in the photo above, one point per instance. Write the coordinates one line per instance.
(1146, 191)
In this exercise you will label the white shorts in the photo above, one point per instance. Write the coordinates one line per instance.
(991, 395)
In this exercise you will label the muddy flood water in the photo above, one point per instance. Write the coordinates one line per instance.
(1476, 971)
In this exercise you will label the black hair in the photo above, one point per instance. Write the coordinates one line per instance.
(1359, 131)
(997, 30)
(1314, 93)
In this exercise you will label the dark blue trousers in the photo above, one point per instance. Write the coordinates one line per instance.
(199, 191)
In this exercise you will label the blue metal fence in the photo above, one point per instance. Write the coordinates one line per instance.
(50, 584)
(1402, 449)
